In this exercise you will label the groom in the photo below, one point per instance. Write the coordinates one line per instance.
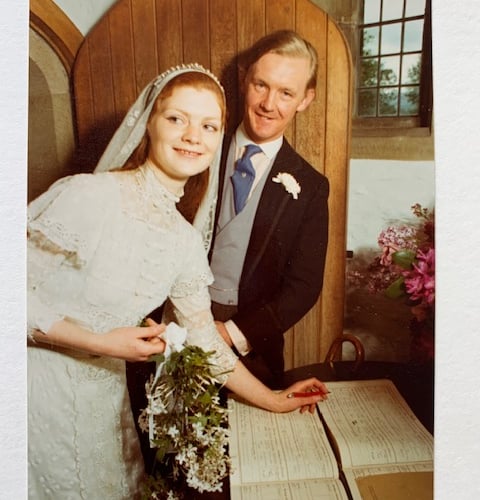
(269, 248)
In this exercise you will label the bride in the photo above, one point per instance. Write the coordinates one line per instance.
(104, 250)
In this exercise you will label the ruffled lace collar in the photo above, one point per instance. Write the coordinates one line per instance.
(153, 186)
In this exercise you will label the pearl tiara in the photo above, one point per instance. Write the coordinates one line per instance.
(184, 68)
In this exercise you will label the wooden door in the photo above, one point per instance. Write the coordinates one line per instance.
(138, 39)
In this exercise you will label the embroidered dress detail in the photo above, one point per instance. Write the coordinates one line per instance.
(103, 281)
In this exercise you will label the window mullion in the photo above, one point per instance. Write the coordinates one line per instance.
(382, 98)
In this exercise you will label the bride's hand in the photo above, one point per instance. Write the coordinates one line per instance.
(134, 343)
(304, 395)
(156, 339)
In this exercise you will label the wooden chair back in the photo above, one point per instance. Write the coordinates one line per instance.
(138, 39)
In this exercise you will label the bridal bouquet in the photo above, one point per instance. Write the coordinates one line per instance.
(186, 422)
(406, 268)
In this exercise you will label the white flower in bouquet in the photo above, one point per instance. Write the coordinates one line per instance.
(174, 337)
(185, 420)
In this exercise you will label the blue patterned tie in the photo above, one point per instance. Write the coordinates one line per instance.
(243, 177)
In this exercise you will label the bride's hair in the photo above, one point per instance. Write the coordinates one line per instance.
(196, 186)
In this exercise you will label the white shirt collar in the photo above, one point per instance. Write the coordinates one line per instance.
(270, 149)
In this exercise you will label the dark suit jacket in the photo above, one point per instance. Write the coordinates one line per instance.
(282, 274)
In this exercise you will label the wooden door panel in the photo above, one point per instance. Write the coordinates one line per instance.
(144, 41)
(138, 39)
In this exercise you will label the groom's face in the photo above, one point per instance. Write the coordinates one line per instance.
(275, 90)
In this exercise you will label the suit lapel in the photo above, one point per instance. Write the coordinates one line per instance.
(221, 179)
(274, 197)
(271, 207)
(221, 176)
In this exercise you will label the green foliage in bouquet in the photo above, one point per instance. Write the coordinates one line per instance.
(187, 425)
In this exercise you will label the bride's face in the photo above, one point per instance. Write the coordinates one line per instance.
(185, 130)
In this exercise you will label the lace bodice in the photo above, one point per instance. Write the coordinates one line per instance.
(107, 249)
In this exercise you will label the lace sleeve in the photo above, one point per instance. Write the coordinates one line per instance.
(193, 313)
(191, 306)
(196, 273)
(67, 219)
(64, 226)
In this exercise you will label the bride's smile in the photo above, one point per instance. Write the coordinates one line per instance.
(185, 131)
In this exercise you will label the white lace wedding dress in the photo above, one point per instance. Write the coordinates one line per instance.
(104, 250)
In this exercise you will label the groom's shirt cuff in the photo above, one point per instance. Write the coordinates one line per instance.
(238, 338)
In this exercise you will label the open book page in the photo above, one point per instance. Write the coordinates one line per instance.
(373, 425)
(269, 450)
(311, 489)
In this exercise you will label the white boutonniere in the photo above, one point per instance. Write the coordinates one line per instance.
(289, 183)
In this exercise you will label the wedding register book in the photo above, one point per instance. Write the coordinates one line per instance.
(365, 443)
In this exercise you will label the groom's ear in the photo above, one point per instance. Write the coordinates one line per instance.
(305, 102)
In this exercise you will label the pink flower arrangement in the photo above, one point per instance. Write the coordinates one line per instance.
(420, 281)
(406, 268)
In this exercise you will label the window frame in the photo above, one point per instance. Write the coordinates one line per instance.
(419, 125)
